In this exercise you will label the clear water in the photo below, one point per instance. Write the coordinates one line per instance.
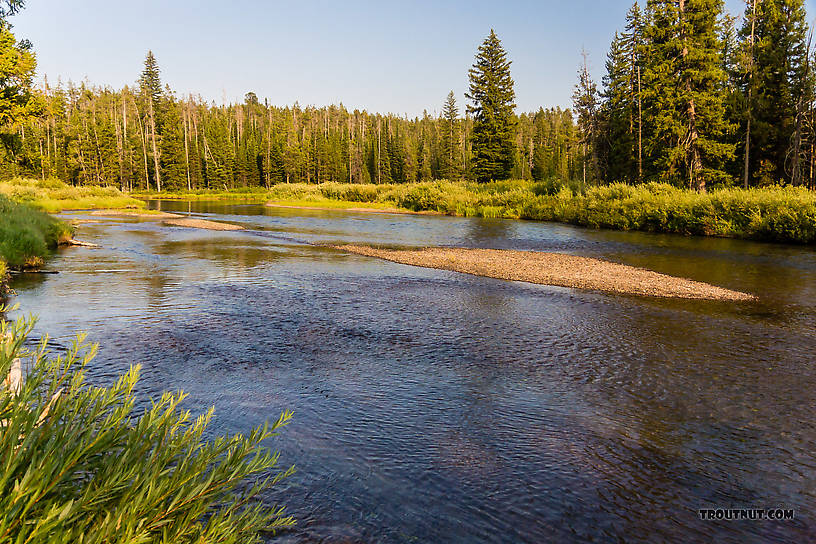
(432, 406)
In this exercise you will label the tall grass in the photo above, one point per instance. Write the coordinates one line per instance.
(780, 214)
(83, 464)
(53, 196)
(27, 235)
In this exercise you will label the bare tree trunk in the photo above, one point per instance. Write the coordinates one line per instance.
(800, 114)
(119, 147)
(42, 164)
(187, 146)
(156, 166)
(693, 150)
(640, 132)
(750, 100)
(143, 136)
(126, 144)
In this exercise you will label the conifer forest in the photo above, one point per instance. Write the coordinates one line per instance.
(691, 95)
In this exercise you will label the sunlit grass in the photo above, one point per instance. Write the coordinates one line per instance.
(325, 203)
(53, 196)
(782, 214)
(27, 235)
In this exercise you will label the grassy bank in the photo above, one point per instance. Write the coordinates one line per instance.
(780, 214)
(54, 196)
(27, 235)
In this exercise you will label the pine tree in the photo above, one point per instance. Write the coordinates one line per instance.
(450, 156)
(585, 101)
(773, 84)
(151, 89)
(685, 103)
(173, 161)
(492, 105)
(619, 112)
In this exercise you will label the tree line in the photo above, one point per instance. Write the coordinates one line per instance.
(144, 137)
(695, 96)
(692, 95)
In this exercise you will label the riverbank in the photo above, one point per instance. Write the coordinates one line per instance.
(777, 214)
(54, 196)
(27, 237)
(553, 269)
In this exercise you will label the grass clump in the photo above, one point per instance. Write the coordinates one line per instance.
(28, 235)
(81, 465)
(53, 196)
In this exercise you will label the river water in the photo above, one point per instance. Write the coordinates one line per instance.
(432, 406)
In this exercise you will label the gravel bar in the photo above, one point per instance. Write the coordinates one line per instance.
(553, 269)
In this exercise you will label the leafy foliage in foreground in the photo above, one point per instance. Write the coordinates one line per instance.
(79, 465)
(26, 234)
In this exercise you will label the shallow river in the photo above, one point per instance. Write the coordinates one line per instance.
(432, 406)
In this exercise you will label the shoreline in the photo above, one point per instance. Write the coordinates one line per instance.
(556, 269)
(355, 207)
(763, 214)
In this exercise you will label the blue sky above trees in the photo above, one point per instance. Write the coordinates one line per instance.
(386, 56)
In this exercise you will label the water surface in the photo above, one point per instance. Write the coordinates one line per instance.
(432, 406)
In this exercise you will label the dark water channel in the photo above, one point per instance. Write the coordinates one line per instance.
(432, 406)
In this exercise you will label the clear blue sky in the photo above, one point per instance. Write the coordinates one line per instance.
(386, 56)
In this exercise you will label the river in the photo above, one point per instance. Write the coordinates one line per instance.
(431, 406)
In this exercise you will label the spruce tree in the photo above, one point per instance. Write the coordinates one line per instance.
(492, 105)
(450, 156)
(150, 81)
(585, 102)
(173, 161)
(619, 115)
(773, 84)
(151, 94)
(685, 81)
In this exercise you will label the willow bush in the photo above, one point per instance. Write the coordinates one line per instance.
(81, 464)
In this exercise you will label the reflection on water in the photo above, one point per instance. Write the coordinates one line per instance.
(437, 407)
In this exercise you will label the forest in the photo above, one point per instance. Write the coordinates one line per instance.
(693, 96)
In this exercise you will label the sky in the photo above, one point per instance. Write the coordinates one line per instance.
(399, 57)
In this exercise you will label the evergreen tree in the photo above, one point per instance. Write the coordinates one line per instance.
(774, 85)
(685, 103)
(150, 81)
(151, 94)
(619, 112)
(450, 156)
(585, 102)
(492, 105)
(173, 160)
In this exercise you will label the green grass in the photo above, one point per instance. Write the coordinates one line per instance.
(84, 463)
(27, 235)
(325, 203)
(255, 194)
(54, 196)
(779, 214)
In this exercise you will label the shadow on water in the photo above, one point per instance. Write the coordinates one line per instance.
(432, 406)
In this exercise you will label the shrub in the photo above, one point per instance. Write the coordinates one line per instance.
(80, 466)
(26, 234)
